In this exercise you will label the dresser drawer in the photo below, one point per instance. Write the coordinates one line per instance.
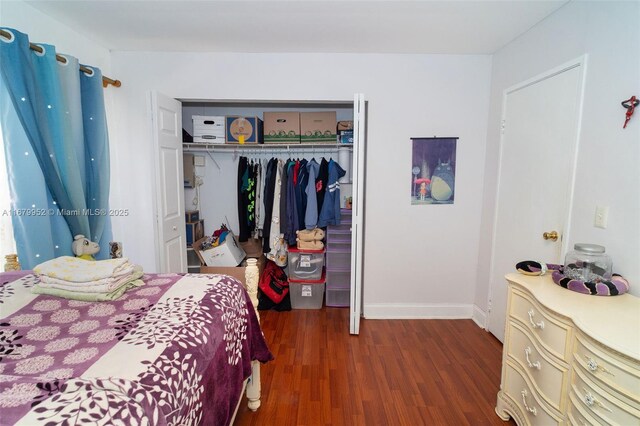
(549, 375)
(598, 404)
(527, 399)
(551, 331)
(622, 375)
(577, 415)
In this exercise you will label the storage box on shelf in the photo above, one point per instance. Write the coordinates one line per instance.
(209, 129)
(244, 130)
(318, 127)
(282, 127)
(339, 262)
(307, 294)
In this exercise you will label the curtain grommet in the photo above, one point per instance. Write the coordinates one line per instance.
(9, 39)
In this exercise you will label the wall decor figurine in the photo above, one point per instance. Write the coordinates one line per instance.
(433, 170)
(630, 104)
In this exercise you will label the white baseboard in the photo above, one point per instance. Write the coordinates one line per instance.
(426, 311)
(418, 311)
(479, 317)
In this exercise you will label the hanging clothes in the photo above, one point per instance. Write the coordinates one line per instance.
(301, 193)
(269, 200)
(321, 182)
(258, 200)
(292, 208)
(311, 211)
(275, 231)
(243, 198)
(330, 213)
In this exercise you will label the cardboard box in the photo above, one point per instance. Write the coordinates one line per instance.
(318, 127)
(281, 127)
(208, 129)
(229, 253)
(244, 130)
(237, 272)
(195, 231)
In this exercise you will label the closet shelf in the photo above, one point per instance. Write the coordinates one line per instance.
(322, 147)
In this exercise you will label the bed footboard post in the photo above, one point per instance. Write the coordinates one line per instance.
(251, 276)
(253, 385)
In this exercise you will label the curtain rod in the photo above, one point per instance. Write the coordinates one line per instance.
(105, 80)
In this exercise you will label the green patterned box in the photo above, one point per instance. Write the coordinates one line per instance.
(318, 127)
(282, 127)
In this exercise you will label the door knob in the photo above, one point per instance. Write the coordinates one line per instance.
(553, 236)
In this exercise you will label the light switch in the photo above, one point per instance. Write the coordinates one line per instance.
(602, 214)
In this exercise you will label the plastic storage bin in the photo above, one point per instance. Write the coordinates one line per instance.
(339, 258)
(338, 297)
(305, 265)
(307, 294)
(339, 236)
(338, 279)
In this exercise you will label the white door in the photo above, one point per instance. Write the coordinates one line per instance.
(357, 213)
(538, 153)
(169, 184)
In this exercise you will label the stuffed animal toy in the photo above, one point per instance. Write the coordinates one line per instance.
(315, 234)
(310, 245)
(84, 248)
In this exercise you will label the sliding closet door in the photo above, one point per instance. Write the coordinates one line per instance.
(171, 255)
(357, 230)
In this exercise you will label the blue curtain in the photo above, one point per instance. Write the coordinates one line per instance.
(57, 150)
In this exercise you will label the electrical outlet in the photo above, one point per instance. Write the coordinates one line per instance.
(602, 214)
(198, 160)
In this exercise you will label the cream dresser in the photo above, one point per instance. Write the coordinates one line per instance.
(569, 358)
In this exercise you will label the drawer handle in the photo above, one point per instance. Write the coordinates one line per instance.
(527, 352)
(593, 366)
(532, 410)
(534, 324)
(591, 400)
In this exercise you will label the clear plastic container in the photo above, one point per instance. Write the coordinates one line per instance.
(305, 264)
(588, 262)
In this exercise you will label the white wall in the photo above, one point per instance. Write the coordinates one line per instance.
(420, 260)
(607, 171)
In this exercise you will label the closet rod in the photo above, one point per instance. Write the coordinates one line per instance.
(105, 80)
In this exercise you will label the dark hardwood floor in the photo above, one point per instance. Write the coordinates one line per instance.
(396, 372)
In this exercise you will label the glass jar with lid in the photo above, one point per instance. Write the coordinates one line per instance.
(588, 263)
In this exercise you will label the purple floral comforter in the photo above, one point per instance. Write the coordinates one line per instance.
(172, 352)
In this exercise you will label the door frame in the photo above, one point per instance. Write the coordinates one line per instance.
(579, 62)
(357, 225)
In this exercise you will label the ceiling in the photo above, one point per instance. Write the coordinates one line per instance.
(450, 26)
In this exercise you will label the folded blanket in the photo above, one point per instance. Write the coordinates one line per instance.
(79, 270)
(88, 297)
(106, 285)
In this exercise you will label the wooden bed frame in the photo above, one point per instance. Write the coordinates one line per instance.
(252, 384)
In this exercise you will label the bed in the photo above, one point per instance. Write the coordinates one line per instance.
(179, 350)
